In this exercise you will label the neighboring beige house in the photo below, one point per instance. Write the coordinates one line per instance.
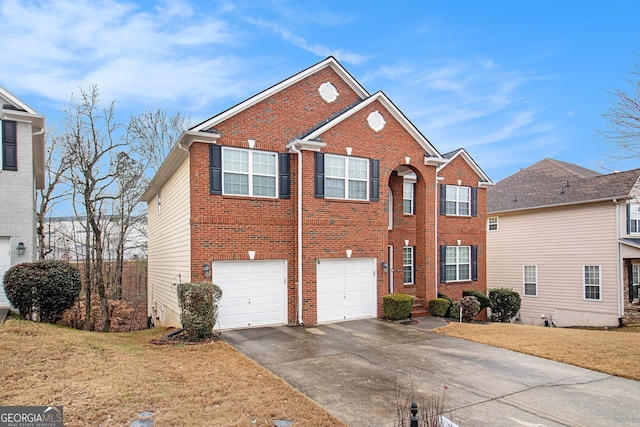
(21, 173)
(568, 240)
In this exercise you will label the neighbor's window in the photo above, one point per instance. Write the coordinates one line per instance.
(407, 198)
(592, 282)
(346, 177)
(9, 146)
(530, 280)
(493, 223)
(634, 218)
(249, 172)
(458, 200)
(159, 201)
(408, 265)
(458, 263)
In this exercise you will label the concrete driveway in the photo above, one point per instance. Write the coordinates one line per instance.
(354, 368)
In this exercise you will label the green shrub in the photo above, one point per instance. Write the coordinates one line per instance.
(482, 298)
(505, 304)
(451, 301)
(470, 308)
(397, 306)
(45, 287)
(199, 307)
(438, 307)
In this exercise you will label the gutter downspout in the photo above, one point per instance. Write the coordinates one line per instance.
(619, 284)
(437, 214)
(298, 153)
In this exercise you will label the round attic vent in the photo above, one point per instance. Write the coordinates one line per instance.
(328, 92)
(376, 121)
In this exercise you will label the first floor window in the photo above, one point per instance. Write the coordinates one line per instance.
(458, 263)
(408, 264)
(530, 280)
(346, 177)
(634, 280)
(248, 172)
(592, 282)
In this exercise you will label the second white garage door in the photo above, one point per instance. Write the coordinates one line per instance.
(253, 293)
(346, 289)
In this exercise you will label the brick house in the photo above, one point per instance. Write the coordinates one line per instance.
(283, 201)
(21, 173)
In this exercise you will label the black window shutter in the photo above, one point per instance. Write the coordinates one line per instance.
(9, 146)
(628, 218)
(215, 169)
(474, 201)
(443, 264)
(285, 176)
(319, 175)
(443, 199)
(630, 272)
(474, 263)
(375, 180)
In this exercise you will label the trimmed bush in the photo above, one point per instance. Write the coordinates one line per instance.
(45, 287)
(470, 308)
(505, 304)
(438, 307)
(199, 308)
(451, 301)
(482, 298)
(397, 306)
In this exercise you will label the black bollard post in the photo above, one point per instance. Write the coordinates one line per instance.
(414, 415)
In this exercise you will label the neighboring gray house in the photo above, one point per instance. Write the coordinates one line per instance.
(568, 240)
(22, 173)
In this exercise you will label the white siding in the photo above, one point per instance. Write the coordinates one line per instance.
(169, 247)
(560, 242)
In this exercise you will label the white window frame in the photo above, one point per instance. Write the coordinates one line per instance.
(460, 190)
(408, 263)
(492, 223)
(634, 218)
(408, 196)
(585, 284)
(250, 172)
(159, 201)
(390, 226)
(346, 178)
(528, 280)
(458, 264)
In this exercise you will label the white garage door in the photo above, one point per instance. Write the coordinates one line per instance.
(254, 293)
(5, 263)
(346, 289)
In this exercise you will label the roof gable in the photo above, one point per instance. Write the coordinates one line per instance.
(395, 112)
(462, 153)
(255, 99)
(554, 183)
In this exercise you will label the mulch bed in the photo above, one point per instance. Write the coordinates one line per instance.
(181, 337)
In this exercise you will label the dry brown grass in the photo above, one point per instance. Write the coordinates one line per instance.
(610, 351)
(107, 379)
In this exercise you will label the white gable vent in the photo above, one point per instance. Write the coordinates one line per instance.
(376, 121)
(328, 92)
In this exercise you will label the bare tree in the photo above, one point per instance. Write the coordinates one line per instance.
(91, 148)
(624, 119)
(56, 165)
(153, 134)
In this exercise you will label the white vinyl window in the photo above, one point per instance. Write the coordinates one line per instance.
(458, 263)
(407, 198)
(530, 273)
(458, 200)
(346, 177)
(408, 267)
(492, 223)
(634, 219)
(592, 282)
(249, 172)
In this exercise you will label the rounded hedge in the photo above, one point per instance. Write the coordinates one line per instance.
(397, 306)
(438, 307)
(482, 298)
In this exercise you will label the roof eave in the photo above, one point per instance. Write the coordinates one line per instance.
(558, 205)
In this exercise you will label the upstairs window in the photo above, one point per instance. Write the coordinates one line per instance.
(346, 177)
(456, 200)
(408, 189)
(592, 282)
(9, 146)
(249, 172)
(633, 219)
(492, 223)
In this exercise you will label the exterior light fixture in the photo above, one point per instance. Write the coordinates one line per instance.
(385, 266)
(21, 248)
(206, 270)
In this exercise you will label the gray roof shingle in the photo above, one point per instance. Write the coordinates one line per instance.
(551, 182)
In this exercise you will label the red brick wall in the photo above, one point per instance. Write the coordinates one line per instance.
(469, 230)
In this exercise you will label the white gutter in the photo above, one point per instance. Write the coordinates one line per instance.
(619, 284)
(294, 149)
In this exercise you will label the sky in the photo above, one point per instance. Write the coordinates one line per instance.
(513, 82)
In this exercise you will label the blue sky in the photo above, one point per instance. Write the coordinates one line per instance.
(511, 81)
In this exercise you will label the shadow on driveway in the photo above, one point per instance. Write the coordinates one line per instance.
(355, 369)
